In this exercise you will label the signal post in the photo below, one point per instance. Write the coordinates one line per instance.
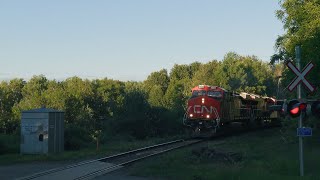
(298, 57)
(298, 107)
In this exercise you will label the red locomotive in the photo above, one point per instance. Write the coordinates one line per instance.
(209, 107)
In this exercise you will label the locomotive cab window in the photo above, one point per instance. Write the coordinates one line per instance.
(198, 93)
(215, 94)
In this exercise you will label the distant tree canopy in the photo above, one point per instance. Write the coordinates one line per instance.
(153, 107)
(301, 20)
(247, 74)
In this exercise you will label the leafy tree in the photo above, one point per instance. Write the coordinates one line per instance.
(302, 24)
(134, 120)
(174, 98)
(156, 96)
(206, 74)
(77, 98)
(108, 98)
(33, 96)
(159, 78)
(179, 72)
(194, 67)
(55, 95)
(156, 86)
(238, 73)
(183, 78)
(33, 93)
(10, 95)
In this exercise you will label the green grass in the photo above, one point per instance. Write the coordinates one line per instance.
(264, 156)
(113, 146)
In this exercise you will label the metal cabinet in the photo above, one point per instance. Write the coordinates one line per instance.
(42, 131)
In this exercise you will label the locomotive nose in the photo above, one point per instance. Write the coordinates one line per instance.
(203, 108)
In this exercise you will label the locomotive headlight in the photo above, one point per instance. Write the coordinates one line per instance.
(208, 116)
(191, 115)
(202, 100)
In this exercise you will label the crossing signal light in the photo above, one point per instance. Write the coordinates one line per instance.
(315, 108)
(295, 108)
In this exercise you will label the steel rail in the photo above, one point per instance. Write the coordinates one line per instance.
(101, 171)
(43, 173)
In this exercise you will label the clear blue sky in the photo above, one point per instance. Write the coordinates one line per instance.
(129, 39)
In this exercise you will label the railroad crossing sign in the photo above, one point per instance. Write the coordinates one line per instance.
(300, 76)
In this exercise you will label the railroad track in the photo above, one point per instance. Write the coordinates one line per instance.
(97, 167)
(93, 168)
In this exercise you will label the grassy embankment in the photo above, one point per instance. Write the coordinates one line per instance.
(10, 150)
(257, 155)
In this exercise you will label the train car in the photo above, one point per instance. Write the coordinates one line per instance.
(210, 107)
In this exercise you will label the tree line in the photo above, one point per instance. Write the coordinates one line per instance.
(153, 107)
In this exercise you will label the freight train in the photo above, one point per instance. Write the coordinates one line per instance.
(211, 107)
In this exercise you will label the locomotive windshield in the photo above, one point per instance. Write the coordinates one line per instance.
(215, 94)
(196, 93)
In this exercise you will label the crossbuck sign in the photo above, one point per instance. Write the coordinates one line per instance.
(300, 76)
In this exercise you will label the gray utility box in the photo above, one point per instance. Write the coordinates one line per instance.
(42, 131)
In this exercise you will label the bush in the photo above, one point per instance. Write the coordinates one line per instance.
(76, 137)
(155, 122)
(9, 143)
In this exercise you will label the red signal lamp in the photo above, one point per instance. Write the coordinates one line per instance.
(295, 108)
(303, 106)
